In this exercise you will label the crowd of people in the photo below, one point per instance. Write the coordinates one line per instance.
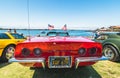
(10, 31)
(14, 31)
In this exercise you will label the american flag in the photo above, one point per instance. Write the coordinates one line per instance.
(64, 27)
(50, 27)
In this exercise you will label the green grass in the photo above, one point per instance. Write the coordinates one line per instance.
(108, 69)
(103, 69)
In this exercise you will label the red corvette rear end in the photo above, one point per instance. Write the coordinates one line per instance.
(58, 52)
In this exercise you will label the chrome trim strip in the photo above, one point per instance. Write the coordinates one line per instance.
(89, 59)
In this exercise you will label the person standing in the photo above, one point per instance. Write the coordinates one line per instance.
(9, 30)
(15, 31)
(97, 34)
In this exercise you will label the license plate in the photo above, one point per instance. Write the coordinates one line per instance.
(60, 62)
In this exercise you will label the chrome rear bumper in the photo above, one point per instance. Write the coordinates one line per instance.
(89, 59)
(29, 60)
(42, 60)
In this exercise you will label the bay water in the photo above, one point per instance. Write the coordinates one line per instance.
(36, 32)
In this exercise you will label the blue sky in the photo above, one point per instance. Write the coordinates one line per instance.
(77, 14)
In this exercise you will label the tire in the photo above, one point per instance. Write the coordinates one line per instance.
(7, 53)
(111, 52)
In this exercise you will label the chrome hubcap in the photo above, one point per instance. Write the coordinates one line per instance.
(10, 52)
(108, 52)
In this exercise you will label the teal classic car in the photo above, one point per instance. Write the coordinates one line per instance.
(111, 45)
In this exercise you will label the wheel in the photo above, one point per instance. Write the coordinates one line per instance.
(110, 52)
(7, 53)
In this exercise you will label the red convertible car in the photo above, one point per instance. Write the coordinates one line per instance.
(58, 50)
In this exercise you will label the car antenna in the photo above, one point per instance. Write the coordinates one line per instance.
(28, 19)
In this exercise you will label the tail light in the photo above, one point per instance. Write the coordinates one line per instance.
(93, 51)
(82, 51)
(25, 52)
(37, 51)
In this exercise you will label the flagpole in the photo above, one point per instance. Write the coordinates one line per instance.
(28, 19)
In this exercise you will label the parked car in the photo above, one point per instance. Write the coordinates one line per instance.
(58, 50)
(111, 45)
(8, 43)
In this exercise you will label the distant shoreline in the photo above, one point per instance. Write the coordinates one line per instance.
(110, 29)
(47, 29)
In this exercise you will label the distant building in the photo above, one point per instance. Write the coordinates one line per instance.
(114, 28)
(104, 29)
(111, 28)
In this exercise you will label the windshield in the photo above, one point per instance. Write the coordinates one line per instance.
(4, 36)
(52, 34)
(63, 34)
